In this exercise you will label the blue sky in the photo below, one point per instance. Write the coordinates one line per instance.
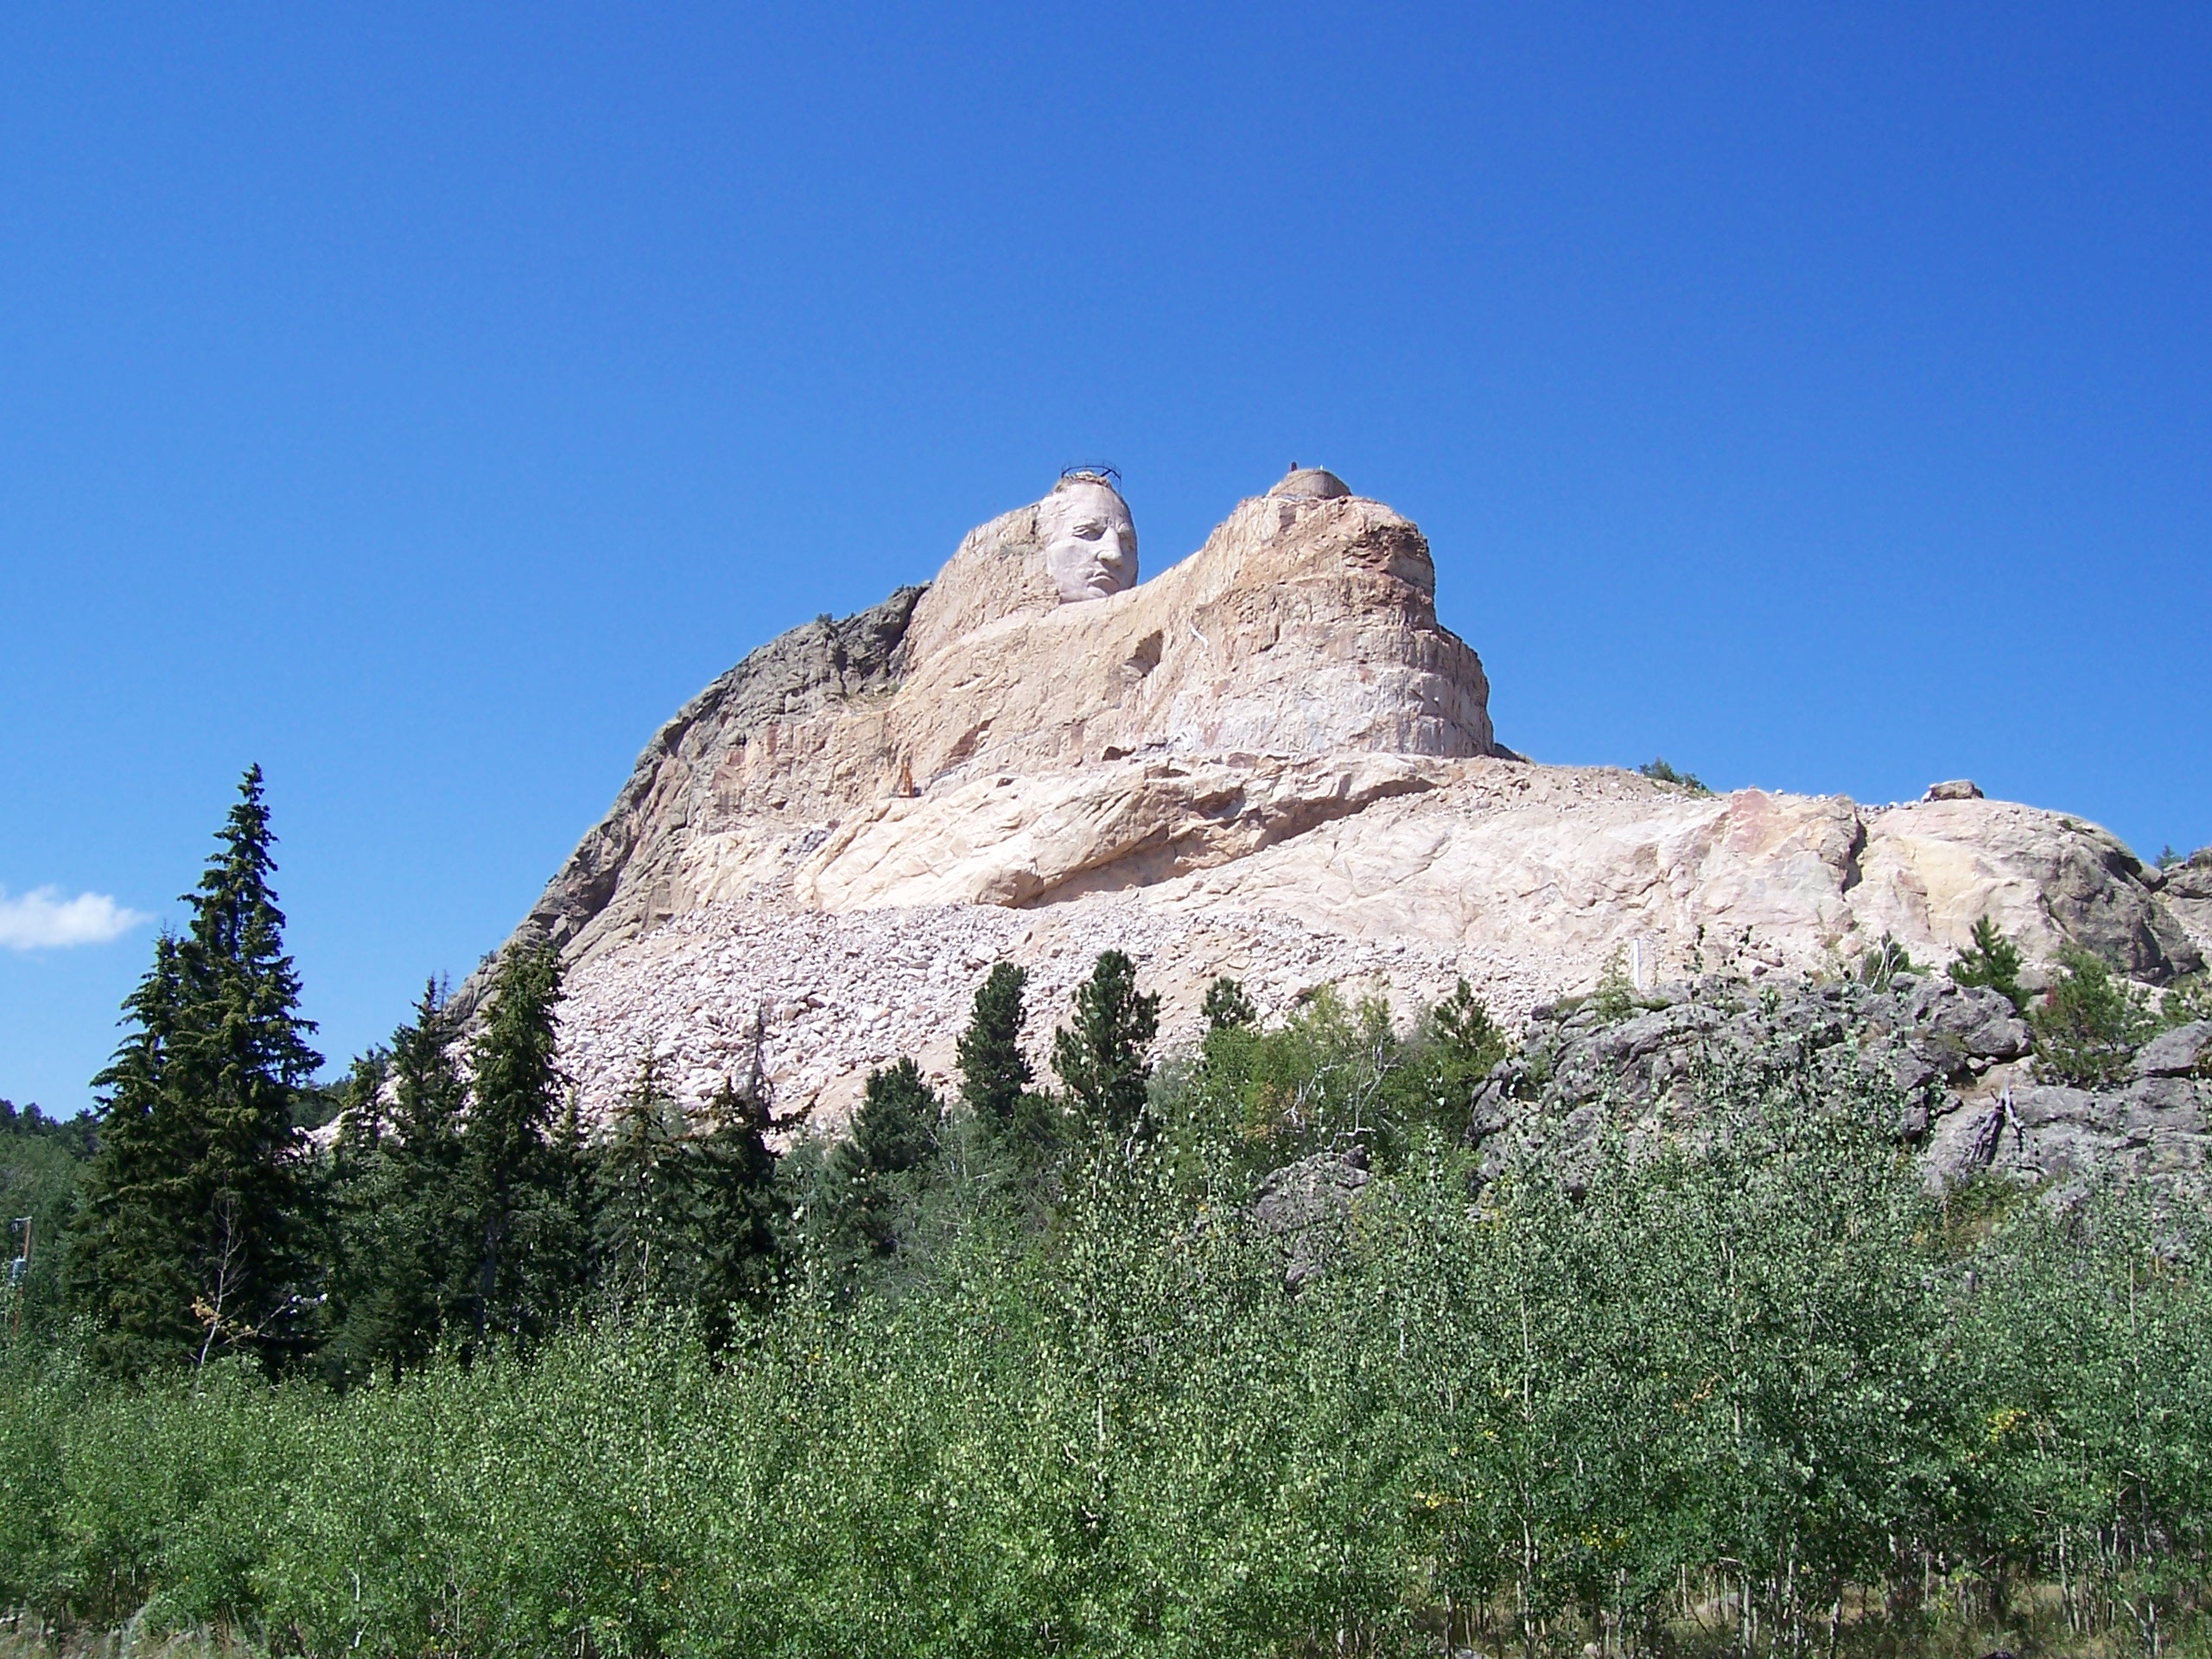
(424, 401)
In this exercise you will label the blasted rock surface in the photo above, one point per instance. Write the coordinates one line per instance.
(1271, 761)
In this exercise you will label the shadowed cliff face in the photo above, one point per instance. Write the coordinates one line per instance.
(1269, 761)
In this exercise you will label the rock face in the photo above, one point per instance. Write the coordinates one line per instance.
(1270, 761)
(1956, 1059)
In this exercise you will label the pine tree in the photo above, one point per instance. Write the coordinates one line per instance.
(895, 1129)
(1460, 1042)
(1993, 961)
(993, 1074)
(1017, 1123)
(2088, 1024)
(1102, 1061)
(518, 1142)
(874, 1180)
(1226, 1006)
(400, 1281)
(194, 1240)
(735, 1212)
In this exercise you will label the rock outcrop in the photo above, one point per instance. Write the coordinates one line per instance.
(1957, 1060)
(1270, 761)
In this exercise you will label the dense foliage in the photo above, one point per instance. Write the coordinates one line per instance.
(192, 1240)
(1235, 1350)
(1761, 1387)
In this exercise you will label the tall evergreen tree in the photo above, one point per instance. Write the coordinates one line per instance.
(193, 1240)
(1102, 1062)
(356, 1213)
(873, 1182)
(993, 1074)
(1015, 1122)
(735, 1211)
(402, 1277)
(518, 1152)
(641, 1200)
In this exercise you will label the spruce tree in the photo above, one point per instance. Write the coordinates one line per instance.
(735, 1212)
(428, 1103)
(193, 1239)
(640, 1198)
(1016, 1123)
(358, 1213)
(528, 1245)
(874, 1179)
(1102, 1061)
(400, 1279)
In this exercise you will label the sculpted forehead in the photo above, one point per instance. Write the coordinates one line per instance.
(1059, 512)
(1089, 540)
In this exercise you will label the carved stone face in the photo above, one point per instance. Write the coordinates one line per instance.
(1091, 541)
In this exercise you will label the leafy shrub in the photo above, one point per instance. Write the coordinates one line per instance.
(1659, 772)
(1880, 967)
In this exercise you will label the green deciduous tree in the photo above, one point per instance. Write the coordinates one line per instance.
(42, 1161)
(193, 1237)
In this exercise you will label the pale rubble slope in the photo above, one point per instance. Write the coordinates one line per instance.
(1270, 761)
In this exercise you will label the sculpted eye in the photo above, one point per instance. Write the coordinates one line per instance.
(1090, 530)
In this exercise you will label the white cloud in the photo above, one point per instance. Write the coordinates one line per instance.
(42, 917)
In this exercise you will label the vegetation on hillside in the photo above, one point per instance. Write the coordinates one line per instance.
(1022, 1368)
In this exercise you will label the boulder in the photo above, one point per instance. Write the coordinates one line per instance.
(1305, 1205)
(2184, 1052)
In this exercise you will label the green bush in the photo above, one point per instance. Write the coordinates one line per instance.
(1760, 1369)
(1659, 772)
(1992, 961)
(2088, 1024)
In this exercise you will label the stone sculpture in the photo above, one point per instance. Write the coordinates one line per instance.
(1270, 761)
(1091, 541)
